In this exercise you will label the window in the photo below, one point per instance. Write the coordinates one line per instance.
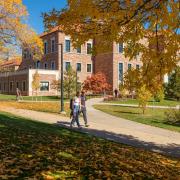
(53, 65)
(38, 64)
(79, 49)
(45, 66)
(17, 85)
(11, 86)
(78, 67)
(4, 86)
(45, 47)
(120, 47)
(52, 45)
(24, 86)
(137, 55)
(129, 66)
(89, 48)
(67, 65)
(89, 68)
(137, 66)
(121, 72)
(44, 86)
(67, 45)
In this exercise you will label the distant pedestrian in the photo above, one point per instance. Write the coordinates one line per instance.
(18, 94)
(83, 108)
(116, 93)
(76, 107)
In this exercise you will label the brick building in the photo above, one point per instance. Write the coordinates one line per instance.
(49, 66)
(113, 64)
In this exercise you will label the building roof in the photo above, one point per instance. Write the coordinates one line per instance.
(57, 28)
(12, 62)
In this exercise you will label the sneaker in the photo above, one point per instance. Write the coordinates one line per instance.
(86, 125)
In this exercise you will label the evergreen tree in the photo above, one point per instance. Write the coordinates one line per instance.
(173, 87)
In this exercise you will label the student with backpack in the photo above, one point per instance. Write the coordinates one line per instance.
(83, 108)
(76, 107)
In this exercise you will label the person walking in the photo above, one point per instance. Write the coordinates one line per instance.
(116, 93)
(18, 94)
(76, 107)
(83, 108)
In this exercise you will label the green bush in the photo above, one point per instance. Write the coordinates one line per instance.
(159, 96)
(173, 116)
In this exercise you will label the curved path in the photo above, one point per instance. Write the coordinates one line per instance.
(115, 128)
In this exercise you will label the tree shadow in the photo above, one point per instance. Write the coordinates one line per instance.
(169, 150)
(35, 150)
(175, 124)
(126, 112)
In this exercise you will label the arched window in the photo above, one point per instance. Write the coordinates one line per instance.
(38, 65)
(53, 65)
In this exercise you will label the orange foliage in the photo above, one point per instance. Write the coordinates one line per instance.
(96, 83)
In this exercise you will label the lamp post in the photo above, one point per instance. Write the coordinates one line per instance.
(62, 81)
(76, 80)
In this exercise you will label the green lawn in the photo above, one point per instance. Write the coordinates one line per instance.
(7, 97)
(29, 98)
(34, 150)
(39, 98)
(153, 117)
(134, 101)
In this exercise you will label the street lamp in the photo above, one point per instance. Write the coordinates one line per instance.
(76, 80)
(62, 81)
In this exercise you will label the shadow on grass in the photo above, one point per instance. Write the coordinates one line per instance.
(30, 149)
(170, 150)
(126, 112)
(176, 124)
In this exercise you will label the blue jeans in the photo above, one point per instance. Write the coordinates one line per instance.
(75, 118)
(84, 112)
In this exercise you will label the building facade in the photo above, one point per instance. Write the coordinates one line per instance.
(49, 66)
(113, 64)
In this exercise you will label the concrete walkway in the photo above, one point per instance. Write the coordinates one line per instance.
(114, 128)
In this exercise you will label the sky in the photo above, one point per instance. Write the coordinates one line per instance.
(36, 7)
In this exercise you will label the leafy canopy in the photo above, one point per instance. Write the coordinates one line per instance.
(146, 27)
(14, 31)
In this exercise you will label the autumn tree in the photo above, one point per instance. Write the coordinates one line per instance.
(96, 84)
(36, 83)
(146, 27)
(14, 32)
(143, 96)
(56, 85)
(123, 91)
(132, 80)
(70, 82)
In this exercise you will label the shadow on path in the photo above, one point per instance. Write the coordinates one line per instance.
(172, 150)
